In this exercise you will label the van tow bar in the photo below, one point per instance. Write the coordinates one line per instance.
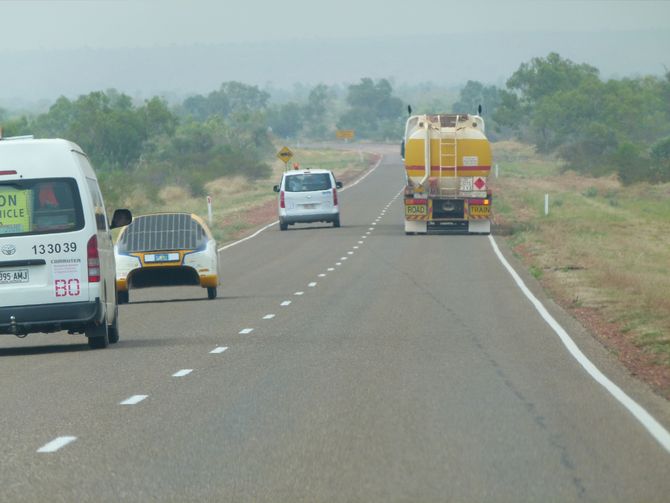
(14, 329)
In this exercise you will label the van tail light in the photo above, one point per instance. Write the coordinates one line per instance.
(282, 203)
(334, 197)
(93, 259)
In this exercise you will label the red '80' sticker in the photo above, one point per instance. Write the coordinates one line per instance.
(67, 287)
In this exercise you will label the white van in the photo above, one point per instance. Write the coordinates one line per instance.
(308, 196)
(56, 254)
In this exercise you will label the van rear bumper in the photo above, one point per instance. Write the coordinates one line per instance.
(50, 317)
(296, 218)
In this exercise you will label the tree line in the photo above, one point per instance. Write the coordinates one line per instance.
(595, 126)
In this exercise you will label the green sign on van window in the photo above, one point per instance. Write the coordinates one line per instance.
(14, 210)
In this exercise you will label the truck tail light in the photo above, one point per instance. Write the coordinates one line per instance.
(93, 260)
(334, 197)
(282, 203)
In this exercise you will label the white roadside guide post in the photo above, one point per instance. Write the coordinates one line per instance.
(546, 204)
(496, 170)
(209, 209)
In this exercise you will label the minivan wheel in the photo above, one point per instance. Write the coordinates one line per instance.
(122, 297)
(283, 226)
(211, 292)
(336, 222)
(98, 336)
(113, 329)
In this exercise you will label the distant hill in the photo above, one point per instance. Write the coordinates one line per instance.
(29, 76)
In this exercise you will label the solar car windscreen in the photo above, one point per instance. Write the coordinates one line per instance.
(172, 231)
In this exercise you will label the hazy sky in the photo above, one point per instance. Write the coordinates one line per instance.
(55, 24)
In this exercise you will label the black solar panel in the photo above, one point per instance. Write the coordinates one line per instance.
(169, 231)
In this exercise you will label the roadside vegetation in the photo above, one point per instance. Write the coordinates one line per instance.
(602, 251)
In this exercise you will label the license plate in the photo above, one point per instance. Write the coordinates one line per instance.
(162, 257)
(15, 276)
(416, 209)
(309, 206)
(480, 211)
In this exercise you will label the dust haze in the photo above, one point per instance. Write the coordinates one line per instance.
(175, 48)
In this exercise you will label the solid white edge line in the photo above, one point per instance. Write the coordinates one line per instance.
(134, 400)
(656, 430)
(56, 444)
(182, 373)
(235, 243)
(230, 245)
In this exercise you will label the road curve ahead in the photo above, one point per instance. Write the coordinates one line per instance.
(350, 364)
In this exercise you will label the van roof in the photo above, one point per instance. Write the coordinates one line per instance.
(39, 158)
(303, 171)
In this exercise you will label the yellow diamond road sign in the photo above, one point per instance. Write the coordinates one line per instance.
(285, 154)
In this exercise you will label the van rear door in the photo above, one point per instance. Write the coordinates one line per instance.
(43, 242)
(308, 192)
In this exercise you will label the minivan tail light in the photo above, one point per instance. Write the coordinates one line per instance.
(93, 260)
(334, 197)
(282, 203)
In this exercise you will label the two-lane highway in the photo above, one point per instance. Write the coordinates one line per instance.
(350, 364)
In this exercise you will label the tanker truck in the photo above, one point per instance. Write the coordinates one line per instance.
(447, 161)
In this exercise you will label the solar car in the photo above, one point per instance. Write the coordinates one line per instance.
(165, 249)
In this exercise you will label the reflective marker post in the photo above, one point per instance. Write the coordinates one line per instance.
(209, 209)
(546, 204)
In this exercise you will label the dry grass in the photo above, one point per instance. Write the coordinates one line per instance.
(603, 247)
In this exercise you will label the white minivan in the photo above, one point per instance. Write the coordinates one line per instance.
(308, 196)
(57, 267)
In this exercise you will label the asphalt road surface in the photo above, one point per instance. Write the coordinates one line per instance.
(350, 364)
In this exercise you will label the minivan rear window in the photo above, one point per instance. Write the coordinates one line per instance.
(307, 182)
(40, 206)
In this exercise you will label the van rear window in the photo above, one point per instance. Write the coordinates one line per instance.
(40, 206)
(307, 182)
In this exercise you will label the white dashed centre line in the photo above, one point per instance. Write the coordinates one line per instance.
(331, 269)
(56, 444)
(182, 373)
(218, 350)
(133, 400)
(338, 263)
(350, 252)
(268, 316)
(312, 284)
(355, 247)
(374, 223)
(343, 258)
(285, 303)
(322, 275)
(360, 242)
(299, 293)
(246, 331)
